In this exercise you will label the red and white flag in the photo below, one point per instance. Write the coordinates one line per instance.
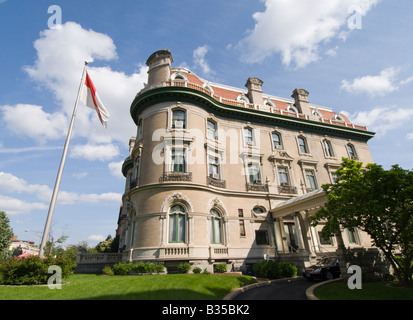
(90, 98)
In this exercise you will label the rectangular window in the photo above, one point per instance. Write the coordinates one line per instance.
(283, 176)
(178, 163)
(276, 141)
(324, 241)
(211, 130)
(328, 149)
(261, 237)
(302, 144)
(242, 232)
(132, 238)
(213, 167)
(310, 178)
(254, 173)
(248, 136)
(177, 228)
(178, 119)
(352, 236)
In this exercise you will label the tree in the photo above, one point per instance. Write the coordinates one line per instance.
(377, 201)
(109, 245)
(6, 232)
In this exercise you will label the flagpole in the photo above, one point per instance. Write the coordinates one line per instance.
(59, 174)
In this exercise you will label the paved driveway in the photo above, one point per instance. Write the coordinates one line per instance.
(280, 290)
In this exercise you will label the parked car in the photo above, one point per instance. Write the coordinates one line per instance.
(324, 269)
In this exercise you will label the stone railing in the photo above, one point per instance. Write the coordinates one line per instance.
(261, 187)
(216, 182)
(100, 258)
(176, 176)
(287, 189)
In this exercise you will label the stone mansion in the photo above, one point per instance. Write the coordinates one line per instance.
(218, 174)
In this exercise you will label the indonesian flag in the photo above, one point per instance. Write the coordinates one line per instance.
(90, 98)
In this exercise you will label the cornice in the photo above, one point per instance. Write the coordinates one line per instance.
(203, 100)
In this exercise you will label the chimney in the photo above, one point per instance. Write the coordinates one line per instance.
(301, 101)
(254, 90)
(159, 64)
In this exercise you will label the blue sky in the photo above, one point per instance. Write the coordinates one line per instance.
(366, 72)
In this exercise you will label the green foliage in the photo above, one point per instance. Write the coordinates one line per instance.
(110, 245)
(274, 270)
(32, 270)
(5, 233)
(221, 268)
(197, 270)
(206, 271)
(184, 267)
(122, 268)
(107, 271)
(125, 268)
(378, 202)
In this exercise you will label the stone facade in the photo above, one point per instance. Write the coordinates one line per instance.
(213, 172)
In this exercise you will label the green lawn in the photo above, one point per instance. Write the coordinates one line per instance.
(369, 291)
(151, 287)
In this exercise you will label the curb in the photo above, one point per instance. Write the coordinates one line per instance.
(310, 291)
(233, 294)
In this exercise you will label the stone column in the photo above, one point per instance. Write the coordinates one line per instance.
(298, 229)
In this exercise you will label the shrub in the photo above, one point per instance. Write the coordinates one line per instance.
(33, 270)
(197, 270)
(206, 271)
(107, 271)
(122, 268)
(125, 268)
(288, 269)
(221, 268)
(273, 270)
(184, 267)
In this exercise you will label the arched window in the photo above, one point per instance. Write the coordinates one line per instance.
(216, 226)
(179, 76)
(242, 97)
(292, 108)
(211, 130)
(178, 119)
(276, 140)
(177, 224)
(351, 152)
(302, 145)
(317, 113)
(328, 149)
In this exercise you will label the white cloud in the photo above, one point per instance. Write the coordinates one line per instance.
(383, 119)
(61, 53)
(200, 61)
(95, 237)
(93, 152)
(406, 81)
(373, 85)
(409, 136)
(295, 28)
(14, 206)
(32, 121)
(12, 184)
(115, 169)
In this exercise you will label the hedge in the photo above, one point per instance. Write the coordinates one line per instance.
(274, 270)
(33, 270)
